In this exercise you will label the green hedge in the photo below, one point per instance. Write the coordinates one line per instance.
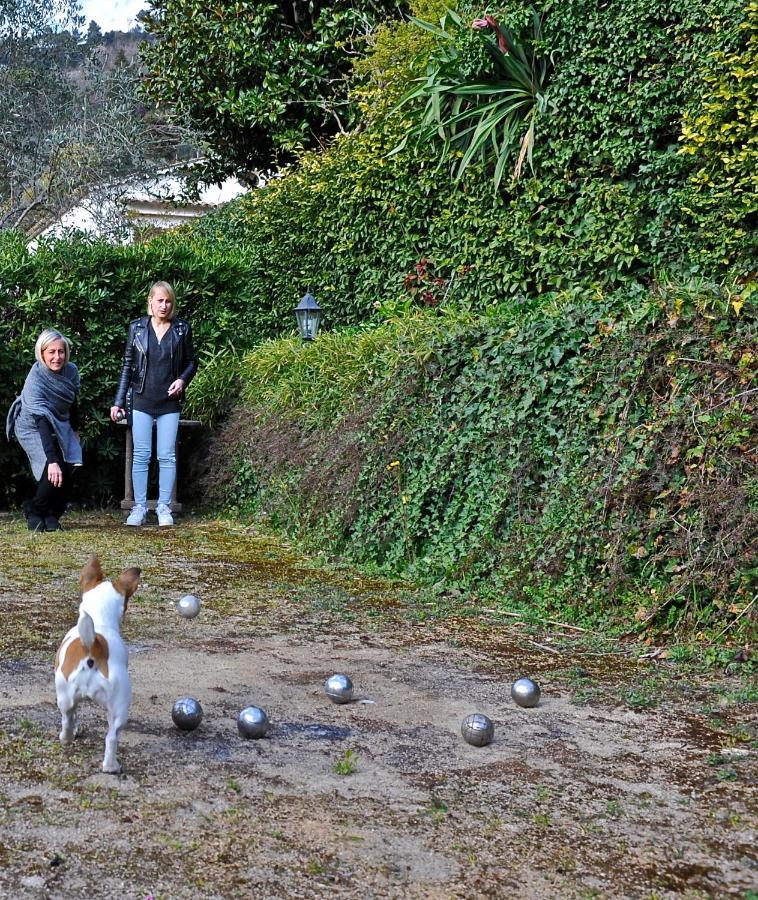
(616, 194)
(593, 464)
(91, 290)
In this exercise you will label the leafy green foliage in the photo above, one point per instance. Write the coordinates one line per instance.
(720, 134)
(91, 290)
(610, 203)
(347, 763)
(259, 80)
(215, 386)
(480, 115)
(592, 462)
(19, 19)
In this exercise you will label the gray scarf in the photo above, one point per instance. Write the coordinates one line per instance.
(49, 394)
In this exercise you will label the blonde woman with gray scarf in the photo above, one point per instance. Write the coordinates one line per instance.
(44, 420)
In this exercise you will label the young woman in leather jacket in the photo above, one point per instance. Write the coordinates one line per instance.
(159, 363)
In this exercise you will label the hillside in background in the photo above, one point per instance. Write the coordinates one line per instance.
(72, 119)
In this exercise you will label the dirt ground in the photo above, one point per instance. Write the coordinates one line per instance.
(630, 779)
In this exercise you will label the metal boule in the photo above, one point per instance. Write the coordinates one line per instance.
(525, 692)
(478, 730)
(187, 713)
(252, 722)
(188, 606)
(339, 688)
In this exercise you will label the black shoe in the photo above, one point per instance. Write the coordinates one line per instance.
(52, 524)
(35, 523)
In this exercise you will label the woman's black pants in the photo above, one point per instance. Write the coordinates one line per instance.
(50, 500)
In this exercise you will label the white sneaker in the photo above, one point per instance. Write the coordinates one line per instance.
(165, 519)
(137, 515)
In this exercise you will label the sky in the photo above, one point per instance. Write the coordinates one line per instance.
(112, 15)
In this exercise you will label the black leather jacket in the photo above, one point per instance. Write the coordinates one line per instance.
(183, 358)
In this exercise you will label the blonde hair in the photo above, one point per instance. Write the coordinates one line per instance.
(45, 339)
(162, 286)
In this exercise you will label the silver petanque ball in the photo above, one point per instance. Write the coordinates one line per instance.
(525, 692)
(339, 688)
(188, 606)
(478, 730)
(252, 722)
(187, 713)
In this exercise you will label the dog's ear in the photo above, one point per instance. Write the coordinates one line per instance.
(91, 575)
(127, 582)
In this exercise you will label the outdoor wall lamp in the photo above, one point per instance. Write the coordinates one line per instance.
(308, 316)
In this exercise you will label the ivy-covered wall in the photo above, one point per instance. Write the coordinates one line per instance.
(648, 102)
(593, 464)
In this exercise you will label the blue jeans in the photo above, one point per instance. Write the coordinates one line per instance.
(142, 435)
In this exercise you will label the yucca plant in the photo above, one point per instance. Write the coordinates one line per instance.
(488, 116)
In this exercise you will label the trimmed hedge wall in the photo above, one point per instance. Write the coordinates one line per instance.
(91, 290)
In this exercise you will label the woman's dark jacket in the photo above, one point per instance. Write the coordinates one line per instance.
(183, 358)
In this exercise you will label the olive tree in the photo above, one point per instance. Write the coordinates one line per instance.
(70, 124)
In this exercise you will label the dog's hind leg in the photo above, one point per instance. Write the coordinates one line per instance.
(67, 707)
(116, 722)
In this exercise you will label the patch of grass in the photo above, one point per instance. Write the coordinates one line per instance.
(613, 809)
(347, 764)
(314, 867)
(29, 754)
(437, 809)
(724, 766)
(647, 694)
(492, 826)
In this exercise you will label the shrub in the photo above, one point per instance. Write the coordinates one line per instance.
(548, 460)
(720, 136)
(611, 201)
(91, 290)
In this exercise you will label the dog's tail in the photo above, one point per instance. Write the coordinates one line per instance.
(86, 631)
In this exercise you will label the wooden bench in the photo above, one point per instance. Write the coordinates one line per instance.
(128, 501)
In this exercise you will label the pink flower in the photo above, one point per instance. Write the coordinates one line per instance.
(491, 22)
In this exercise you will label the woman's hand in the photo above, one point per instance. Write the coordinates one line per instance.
(117, 413)
(54, 474)
(176, 388)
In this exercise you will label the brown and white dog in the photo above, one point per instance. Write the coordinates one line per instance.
(91, 663)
